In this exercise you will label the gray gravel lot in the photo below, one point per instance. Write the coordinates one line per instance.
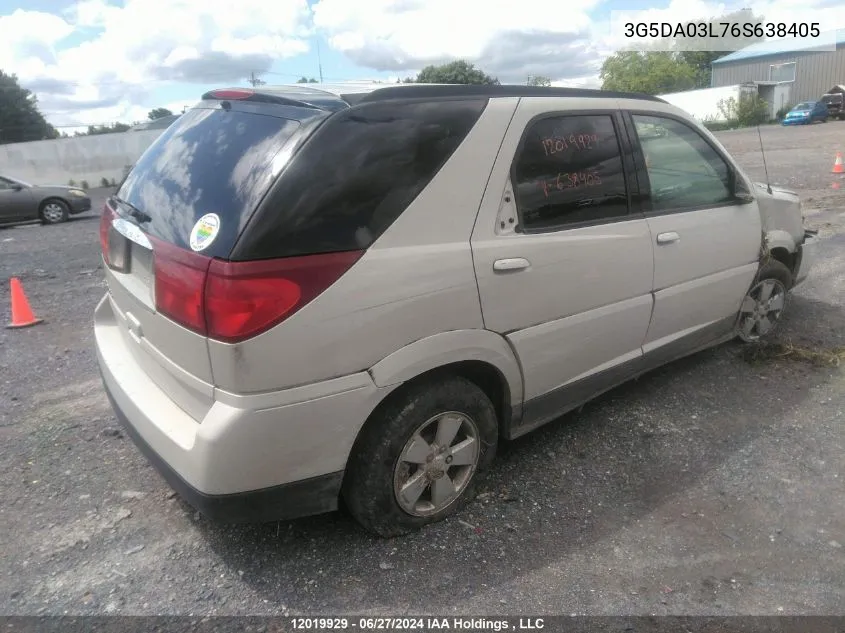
(712, 486)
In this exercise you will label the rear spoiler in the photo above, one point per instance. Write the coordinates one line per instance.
(314, 101)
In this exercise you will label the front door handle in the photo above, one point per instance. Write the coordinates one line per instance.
(513, 263)
(668, 238)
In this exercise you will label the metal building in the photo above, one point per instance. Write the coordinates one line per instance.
(786, 75)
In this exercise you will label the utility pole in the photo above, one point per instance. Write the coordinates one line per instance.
(255, 81)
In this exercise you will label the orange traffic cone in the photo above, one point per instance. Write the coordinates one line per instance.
(838, 167)
(22, 315)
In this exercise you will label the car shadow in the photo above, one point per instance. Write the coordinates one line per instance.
(563, 487)
(87, 216)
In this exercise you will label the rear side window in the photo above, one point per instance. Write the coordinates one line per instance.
(208, 161)
(568, 172)
(356, 175)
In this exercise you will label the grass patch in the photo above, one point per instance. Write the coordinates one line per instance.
(756, 353)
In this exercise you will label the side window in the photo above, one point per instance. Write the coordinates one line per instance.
(570, 171)
(5, 184)
(358, 174)
(684, 170)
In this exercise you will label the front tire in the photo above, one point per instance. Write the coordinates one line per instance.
(54, 212)
(421, 457)
(763, 305)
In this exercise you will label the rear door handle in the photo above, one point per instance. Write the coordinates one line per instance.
(668, 238)
(513, 263)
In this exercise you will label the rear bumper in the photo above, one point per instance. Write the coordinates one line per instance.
(252, 458)
(807, 256)
(278, 503)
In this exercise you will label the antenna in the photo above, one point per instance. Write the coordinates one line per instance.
(319, 60)
(765, 168)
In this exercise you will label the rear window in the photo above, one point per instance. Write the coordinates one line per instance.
(210, 161)
(356, 175)
(832, 98)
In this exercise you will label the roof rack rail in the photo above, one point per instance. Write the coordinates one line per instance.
(434, 91)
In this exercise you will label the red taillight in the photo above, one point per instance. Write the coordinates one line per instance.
(233, 301)
(179, 284)
(231, 93)
(105, 227)
(244, 299)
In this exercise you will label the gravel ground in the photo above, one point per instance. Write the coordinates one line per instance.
(713, 486)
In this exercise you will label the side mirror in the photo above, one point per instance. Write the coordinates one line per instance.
(740, 192)
(17, 187)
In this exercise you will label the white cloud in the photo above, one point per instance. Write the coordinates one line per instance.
(511, 39)
(142, 43)
(27, 40)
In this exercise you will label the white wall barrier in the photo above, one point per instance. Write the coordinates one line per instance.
(88, 158)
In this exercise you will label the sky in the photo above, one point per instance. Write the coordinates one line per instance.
(101, 61)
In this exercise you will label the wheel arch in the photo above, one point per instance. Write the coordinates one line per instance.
(782, 248)
(481, 356)
(52, 198)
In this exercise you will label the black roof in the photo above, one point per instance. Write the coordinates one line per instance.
(315, 98)
(435, 91)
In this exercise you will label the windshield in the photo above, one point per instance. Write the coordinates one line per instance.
(832, 98)
(803, 106)
(209, 161)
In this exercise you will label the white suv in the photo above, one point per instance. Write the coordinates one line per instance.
(315, 297)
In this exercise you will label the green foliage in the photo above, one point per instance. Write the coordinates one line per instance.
(748, 111)
(84, 185)
(657, 72)
(304, 80)
(717, 126)
(113, 183)
(20, 119)
(158, 113)
(458, 72)
(782, 112)
(539, 80)
(104, 182)
(94, 130)
(681, 68)
(71, 183)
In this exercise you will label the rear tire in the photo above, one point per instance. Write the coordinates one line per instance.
(763, 305)
(421, 456)
(53, 212)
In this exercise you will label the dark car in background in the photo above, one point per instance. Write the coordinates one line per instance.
(23, 202)
(835, 103)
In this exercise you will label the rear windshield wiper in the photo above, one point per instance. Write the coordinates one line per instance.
(134, 211)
